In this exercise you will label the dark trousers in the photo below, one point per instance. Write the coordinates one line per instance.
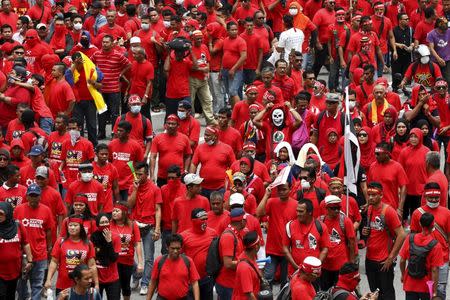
(417, 296)
(380, 280)
(205, 286)
(113, 102)
(412, 202)
(85, 111)
(271, 268)
(399, 66)
(328, 279)
(320, 58)
(112, 290)
(161, 181)
(8, 289)
(125, 272)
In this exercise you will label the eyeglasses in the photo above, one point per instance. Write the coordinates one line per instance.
(3, 159)
(334, 207)
(310, 78)
(440, 87)
(19, 52)
(362, 135)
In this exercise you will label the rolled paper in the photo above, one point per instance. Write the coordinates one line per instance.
(268, 260)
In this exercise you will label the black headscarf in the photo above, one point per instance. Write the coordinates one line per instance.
(404, 138)
(8, 228)
(427, 141)
(104, 251)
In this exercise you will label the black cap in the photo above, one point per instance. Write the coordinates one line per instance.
(198, 213)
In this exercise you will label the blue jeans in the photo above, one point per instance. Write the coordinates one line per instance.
(148, 244)
(232, 85)
(36, 277)
(270, 269)
(46, 124)
(442, 281)
(224, 293)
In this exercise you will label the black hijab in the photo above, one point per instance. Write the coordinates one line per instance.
(104, 251)
(8, 228)
(427, 141)
(400, 139)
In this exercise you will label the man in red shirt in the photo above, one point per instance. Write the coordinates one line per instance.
(382, 249)
(432, 161)
(374, 110)
(172, 147)
(254, 42)
(7, 16)
(424, 26)
(228, 134)
(38, 222)
(215, 157)
(61, 99)
(331, 117)
(96, 20)
(301, 284)
(11, 191)
(416, 285)
(196, 244)
(145, 201)
(240, 112)
(27, 173)
(107, 175)
(280, 210)
(174, 273)
(217, 215)
(441, 232)
(322, 19)
(188, 125)
(111, 28)
(283, 81)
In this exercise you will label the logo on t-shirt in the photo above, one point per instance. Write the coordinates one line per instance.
(423, 78)
(14, 200)
(35, 223)
(29, 181)
(103, 179)
(298, 244)
(278, 136)
(125, 240)
(74, 257)
(56, 150)
(335, 237)
(312, 241)
(17, 134)
(121, 156)
(74, 158)
(92, 197)
(377, 224)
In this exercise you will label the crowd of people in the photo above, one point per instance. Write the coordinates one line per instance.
(89, 185)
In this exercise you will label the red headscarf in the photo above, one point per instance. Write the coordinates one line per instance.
(330, 152)
(367, 149)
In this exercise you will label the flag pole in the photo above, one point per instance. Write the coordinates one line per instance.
(346, 141)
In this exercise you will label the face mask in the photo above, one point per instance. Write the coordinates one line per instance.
(351, 104)
(145, 26)
(77, 26)
(210, 142)
(199, 225)
(424, 60)
(86, 177)
(30, 81)
(166, 24)
(432, 204)
(277, 117)
(182, 115)
(84, 43)
(179, 2)
(133, 49)
(379, 14)
(305, 184)
(293, 11)
(173, 183)
(74, 135)
(32, 42)
(135, 109)
(103, 227)
(59, 29)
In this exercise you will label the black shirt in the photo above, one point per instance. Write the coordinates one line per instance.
(403, 36)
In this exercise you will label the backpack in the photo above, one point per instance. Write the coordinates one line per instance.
(318, 226)
(341, 221)
(285, 291)
(322, 113)
(418, 257)
(39, 140)
(329, 294)
(144, 124)
(164, 258)
(213, 260)
(436, 226)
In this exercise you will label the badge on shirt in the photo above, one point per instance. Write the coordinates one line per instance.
(312, 241)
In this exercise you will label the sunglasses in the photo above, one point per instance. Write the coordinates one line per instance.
(3, 159)
(362, 134)
(19, 53)
(334, 207)
(442, 87)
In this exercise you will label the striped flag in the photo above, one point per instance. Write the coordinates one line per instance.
(350, 141)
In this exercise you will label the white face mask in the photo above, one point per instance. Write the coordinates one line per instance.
(277, 117)
(166, 24)
(179, 2)
(182, 115)
(293, 11)
(30, 81)
(74, 135)
(351, 104)
(305, 184)
(432, 204)
(86, 177)
(135, 109)
(77, 26)
(424, 60)
(145, 26)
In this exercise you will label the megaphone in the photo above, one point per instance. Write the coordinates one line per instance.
(268, 259)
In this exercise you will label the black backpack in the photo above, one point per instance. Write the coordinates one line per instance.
(164, 258)
(213, 260)
(418, 257)
(144, 124)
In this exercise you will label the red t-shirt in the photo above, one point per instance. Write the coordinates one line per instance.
(279, 213)
(141, 74)
(14, 130)
(116, 32)
(172, 150)
(203, 57)
(106, 175)
(17, 95)
(196, 245)
(120, 154)
(182, 208)
(215, 221)
(60, 97)
(434, 259)
(11, 258)
(74, 155)
(382, 36)
(440, 178)
(240, 113)
(254, 45)
(109, 274)
(137, 129)
(444, 110)
(326, 122)
(55, 141)
(70, 254)
(262, 91)
(232, 138)
(190, 127)
(129, 237)
(215, 161)
(380, 241)
(178, 79)
(227, 277)
(247, 278)
(423, 74)
(442, 218)
(92, 189)
(89, 226)
(28, 175)
(37, 221)
(169, 192)
(266, 35)
(392, 176)
(147, 197)
(232, 49)
(412, 160)
(13, 195)
(274, 136)
(52, 198)
(323, 18)
(259, 169)
(301, 289)
(41, 14)
(174, 273)
(421, 31)
(148, 45)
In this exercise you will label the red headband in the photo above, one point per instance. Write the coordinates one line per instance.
(172, 117)
(380, 150)
(121, 207)
(374, 190)
(81, 198)
(356, 17)
(245, 160)
(253, 244)
(75, 220)
(441, 83)
(254, 106)
(434, 192)
(212, 130)
(307, 268)
(340, 11)
(251, 88)
(379, 6)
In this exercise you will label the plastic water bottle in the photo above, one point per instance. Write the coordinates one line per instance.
(50, 294)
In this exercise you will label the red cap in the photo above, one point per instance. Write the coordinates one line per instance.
(134, 99)
(249, 145)
(173, 117)
(212, 129)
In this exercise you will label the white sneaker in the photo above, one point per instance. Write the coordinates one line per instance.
(143, 291)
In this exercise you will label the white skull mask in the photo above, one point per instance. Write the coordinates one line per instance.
(278, 117)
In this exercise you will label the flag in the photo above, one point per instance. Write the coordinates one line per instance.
(282, 177)
(350, 140)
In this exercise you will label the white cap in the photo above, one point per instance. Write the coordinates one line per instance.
(38, 26)
(192, 179)
(135, 39)
(332, 199)
(237, 198)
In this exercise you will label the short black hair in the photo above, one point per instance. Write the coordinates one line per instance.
(306, 72)
(77, 272)
(174, 169)
(125, 125)
(432, 185)
(229, 24)
(384, 145)
(288, 21)
(75, 121)
(303, 95)
(24, 20)
(249, 238)
(280, 61)
(174, 238)
(369, 67)
(429, 12)
(131, 10)
(426, 220)
(12, 170)
(6, 26)
(375, 184)
(308, 203)
(348, 268)
(101, 146)
(400, 15)
(39, 78)
(140, 165)
(225, 111)
(64, 118)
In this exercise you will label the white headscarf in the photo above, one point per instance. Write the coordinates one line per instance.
(289, 150)
(303, 155)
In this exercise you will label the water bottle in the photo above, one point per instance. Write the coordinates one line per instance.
(50, 294)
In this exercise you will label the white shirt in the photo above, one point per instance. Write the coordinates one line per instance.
(291, 39)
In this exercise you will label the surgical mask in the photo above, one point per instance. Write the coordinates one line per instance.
(432, 204)
(86, 177)
(135, 109)
(424, 60)
(166, 24)
(74, 135)
(145, 26)
(351, 104)
(133, 49)
(77, 26)
(305, 184)
(182, 115)
(210, 142)
(30, 81)
(293, 11)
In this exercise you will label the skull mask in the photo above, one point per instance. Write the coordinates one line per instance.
(278, 117)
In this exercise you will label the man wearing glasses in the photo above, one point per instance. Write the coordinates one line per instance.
(404, 42)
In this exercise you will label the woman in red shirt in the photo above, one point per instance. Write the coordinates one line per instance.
(367, 147)
(130, 238)
(68, 252)
(80, 207)
(13, 239)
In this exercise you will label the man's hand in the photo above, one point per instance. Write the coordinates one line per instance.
(269, 106)
(268, 191)
(387, 264)
(443, 130)
(231, 73)
(441, 62)
(156, 235)
(395, 55)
